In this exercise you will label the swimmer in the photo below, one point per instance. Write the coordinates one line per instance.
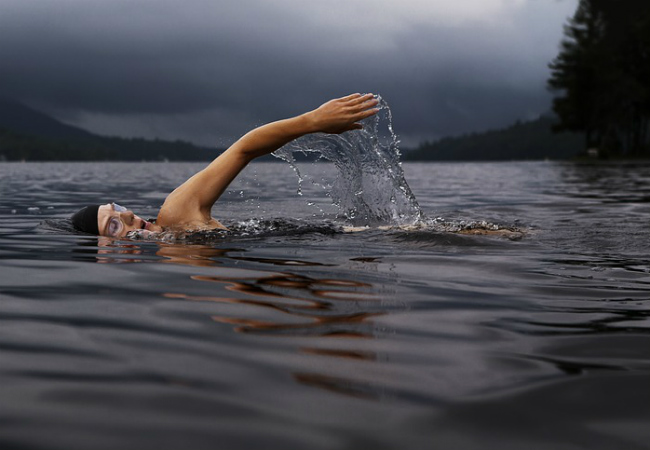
(188, 207)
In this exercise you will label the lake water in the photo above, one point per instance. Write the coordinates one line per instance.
(293, 333)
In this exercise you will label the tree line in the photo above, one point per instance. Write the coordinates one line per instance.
(602, 76)
(531, 140)
(23, 147)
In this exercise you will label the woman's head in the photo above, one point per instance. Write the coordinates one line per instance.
(110, 220)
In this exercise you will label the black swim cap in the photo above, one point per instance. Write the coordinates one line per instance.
(86, 219)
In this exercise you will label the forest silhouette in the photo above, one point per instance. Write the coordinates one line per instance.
(603, 76)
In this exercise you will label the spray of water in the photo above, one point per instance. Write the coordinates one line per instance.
(370, 188)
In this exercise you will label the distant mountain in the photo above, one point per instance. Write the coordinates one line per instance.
(30, 135)
(522, 141)
(21, 119)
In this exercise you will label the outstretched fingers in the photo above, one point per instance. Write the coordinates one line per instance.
(360, 99)
(364, 105)
(365, 114)
(350, 97)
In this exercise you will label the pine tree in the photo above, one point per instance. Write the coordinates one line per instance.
(603, 73)
(575, 72)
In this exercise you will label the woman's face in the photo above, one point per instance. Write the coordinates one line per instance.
(116, 221)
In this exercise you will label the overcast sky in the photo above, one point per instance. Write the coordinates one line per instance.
(207, 71)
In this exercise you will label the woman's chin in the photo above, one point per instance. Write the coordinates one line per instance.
(153, 227)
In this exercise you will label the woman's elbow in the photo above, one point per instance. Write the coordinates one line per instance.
(241, 152)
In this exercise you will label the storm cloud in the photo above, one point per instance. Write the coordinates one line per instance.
(207, 71)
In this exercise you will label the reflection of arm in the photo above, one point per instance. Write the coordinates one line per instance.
(335, 116)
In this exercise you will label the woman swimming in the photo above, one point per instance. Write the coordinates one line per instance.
(189, 206)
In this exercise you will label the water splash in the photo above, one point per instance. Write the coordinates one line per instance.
(370, 188)
(241, 229)
(179, 237)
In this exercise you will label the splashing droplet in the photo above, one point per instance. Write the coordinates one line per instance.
(370, 188)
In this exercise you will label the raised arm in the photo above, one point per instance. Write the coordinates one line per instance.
(335, 117)
(193, 200)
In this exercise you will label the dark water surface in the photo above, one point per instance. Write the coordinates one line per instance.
(289, 333)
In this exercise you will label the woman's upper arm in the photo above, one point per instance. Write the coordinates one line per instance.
(204, 188)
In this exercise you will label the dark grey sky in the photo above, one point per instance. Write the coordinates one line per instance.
(207, 71)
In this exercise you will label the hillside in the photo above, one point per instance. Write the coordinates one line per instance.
(24, 120)
(521, 141)
(30, 135)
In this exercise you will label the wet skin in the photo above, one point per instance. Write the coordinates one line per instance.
(128, 222)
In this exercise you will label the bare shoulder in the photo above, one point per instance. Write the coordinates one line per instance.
(183, 213)
(179, 209)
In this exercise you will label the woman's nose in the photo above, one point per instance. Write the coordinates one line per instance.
(127, 217)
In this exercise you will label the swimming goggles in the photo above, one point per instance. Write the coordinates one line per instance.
(115, 224)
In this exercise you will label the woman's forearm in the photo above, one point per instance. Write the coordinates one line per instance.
(270, 137)
(336, 116)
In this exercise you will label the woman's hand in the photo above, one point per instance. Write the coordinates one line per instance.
(343, 114)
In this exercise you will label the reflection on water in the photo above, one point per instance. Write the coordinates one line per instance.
(192, 255)
(308, 306)
(111, 251)
(604, 183)
(291, 333)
